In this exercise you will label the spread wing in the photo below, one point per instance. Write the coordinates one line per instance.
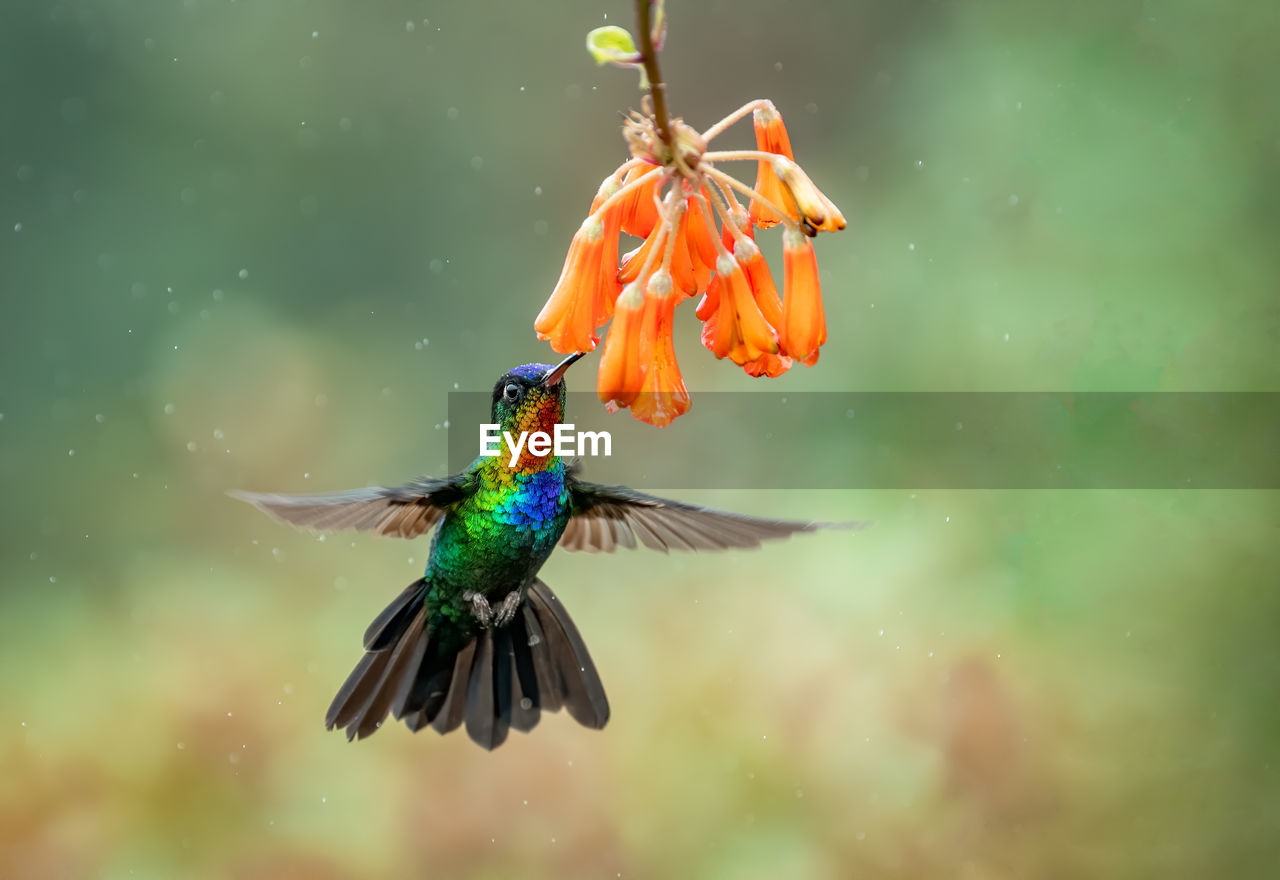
(398, 511)
(606, 517)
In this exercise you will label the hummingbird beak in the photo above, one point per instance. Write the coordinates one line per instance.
(556, 373)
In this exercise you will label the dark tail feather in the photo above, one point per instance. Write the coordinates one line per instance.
(526, 698)
(369, 691)
(501, 679)
(580, 689)
(391, 623)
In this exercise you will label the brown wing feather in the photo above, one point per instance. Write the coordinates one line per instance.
(397, 511)
(606, 517)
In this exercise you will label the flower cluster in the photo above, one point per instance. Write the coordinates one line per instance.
(698, 240)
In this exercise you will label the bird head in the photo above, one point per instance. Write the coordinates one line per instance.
(531, 397)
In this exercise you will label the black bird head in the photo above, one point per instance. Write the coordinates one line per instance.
(531, 396)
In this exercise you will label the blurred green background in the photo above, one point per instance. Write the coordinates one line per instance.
(255, 245)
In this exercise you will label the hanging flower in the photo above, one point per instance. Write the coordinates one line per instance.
(583, 297)
(620, 375)
(804, 327)
(662, 394)
(771, 137)
(697, 238)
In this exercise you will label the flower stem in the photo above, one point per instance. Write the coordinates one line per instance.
(657, 88)
(728, 180)
(613, 199)
(741, 156)
(733, 117)
(727, 220)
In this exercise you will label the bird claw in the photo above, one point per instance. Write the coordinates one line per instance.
(507, 610)
(485, 613)
(480, 608)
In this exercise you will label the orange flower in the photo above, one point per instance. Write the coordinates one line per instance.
(737, 330)
(804, 327)
(770, 365)
(609, 286)
(702, 234)
(619, 379)
(574, 310)
(639, 211)
(687, 278)
(633, 261)
(765, 294)
(662, 396)
(818, 214)
(771, 137)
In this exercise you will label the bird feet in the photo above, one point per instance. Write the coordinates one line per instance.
(482, 611)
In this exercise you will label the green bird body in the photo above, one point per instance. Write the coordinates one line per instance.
(479, 638)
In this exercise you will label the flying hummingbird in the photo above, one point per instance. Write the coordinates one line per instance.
(479, 638)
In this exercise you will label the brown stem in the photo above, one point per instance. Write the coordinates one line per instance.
(657, 88)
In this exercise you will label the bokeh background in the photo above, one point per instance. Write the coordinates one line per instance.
(255, 245)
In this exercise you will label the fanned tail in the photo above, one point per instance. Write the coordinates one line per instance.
(498, 679)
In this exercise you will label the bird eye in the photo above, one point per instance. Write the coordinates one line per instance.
(511, 392)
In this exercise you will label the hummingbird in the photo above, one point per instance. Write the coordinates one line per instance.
(479, 638)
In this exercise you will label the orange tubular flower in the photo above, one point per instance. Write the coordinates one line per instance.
(682, 267)
(804, 327)
(662, 396)
(620, 376)
(634, 261)
(639, 211)
(737, 330)
(609, 286)
(771, 137)
(770, 305)
(573, 311)
(818, 214)
(702, 234)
